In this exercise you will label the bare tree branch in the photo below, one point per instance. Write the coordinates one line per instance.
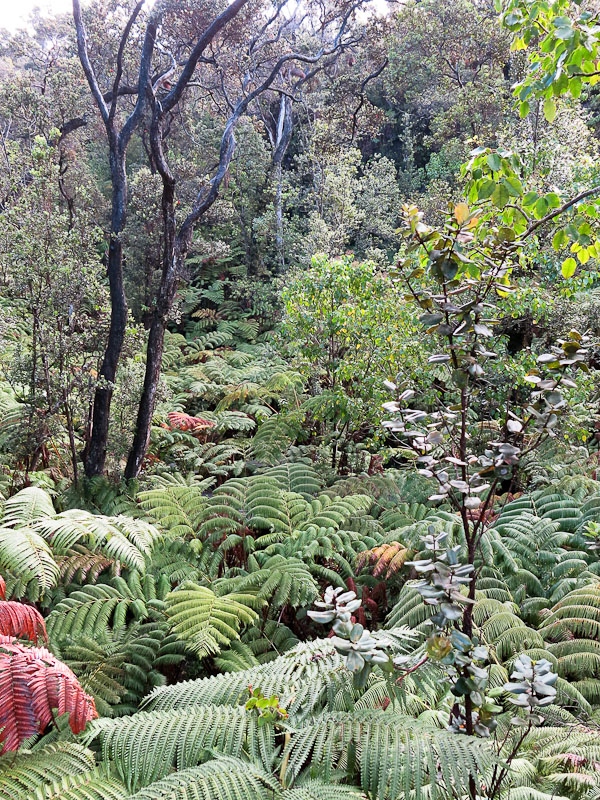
(207, 37)
(119, 67)
(82, 49)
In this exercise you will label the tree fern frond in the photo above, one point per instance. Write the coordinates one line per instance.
(316, 790)
(24, 772)
(146, 746)
(274, 436)
(528, 793)
(396, 756)
(33, 682)
(96, 784)
(279, 581)
(257, 646)
(121, 538)
(226, 778)
(205, 621)
(24, 552)
(81, 565)
(90, 611)
(300, 678)
(298, 478)
(176, 507)
(577, 614)
(27, 506)
(336, 513)
(21, 621)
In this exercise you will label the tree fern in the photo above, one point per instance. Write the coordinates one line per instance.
(298, 478)
(27, 506)
(278, 581)
(33, 534)
(120, 669)
(21, 621)
(25, 774)
(32, 684)
(175, 505)
(146, 746)
(337, 512)
(300, 678)
(393, 756)
(316, 790)
(257, 646)
(226, 778)
(275, 435)
(93, 611)
(205, 621)
(124, 539)
(96, 784)
(577, 614)
(329, 554)
(24, 552)
(81, 565)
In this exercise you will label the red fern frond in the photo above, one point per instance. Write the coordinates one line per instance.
(386, 559)
(33, 683)
(17, 619)
(184, 422)
(2, 588)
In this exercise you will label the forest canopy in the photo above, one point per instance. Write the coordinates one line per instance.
(299, 386)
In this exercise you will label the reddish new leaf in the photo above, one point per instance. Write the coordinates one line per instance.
(184, 422)
(2, 588)
(386, 559)
(33, 684)
(17, 619)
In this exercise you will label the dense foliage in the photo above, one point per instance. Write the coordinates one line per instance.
(299, 426)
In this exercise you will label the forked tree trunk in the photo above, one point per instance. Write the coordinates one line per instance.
(95, 452)
(178, 242)
(177, 245)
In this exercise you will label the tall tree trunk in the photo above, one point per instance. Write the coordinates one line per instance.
(172, 263)
(95, 454)
(284, 135)
(173, 259)
(96, 450)
(143, 425)
(154, 352)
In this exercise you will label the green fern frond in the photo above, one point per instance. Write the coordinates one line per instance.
(226, 778)
(146, 746)
(577, 614)
(396, 756)
(257, 646)
(24, 552)
(27, 506)
(23, 773)
(298, 478)
(96, 784)
(315, 790)
(300, 678)
(176, 506)
(123, 539)
(205, 621)
(279, 581)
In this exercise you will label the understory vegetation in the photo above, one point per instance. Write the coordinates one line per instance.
(299, 385)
